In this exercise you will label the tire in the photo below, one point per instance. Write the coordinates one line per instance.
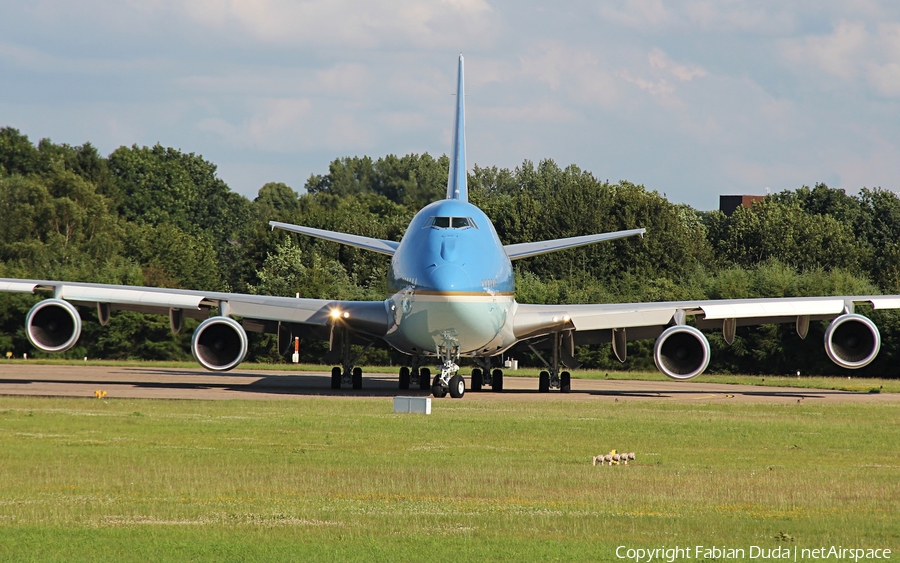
(477, 380)
(544, 382)
(437, 389)
(335, 378)
(497, 381)
(357, 378)
(457, 386)
(424, 379)
(565, 382)
(404, 377)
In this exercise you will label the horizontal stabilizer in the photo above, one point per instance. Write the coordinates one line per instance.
(374, 244)
(528, 249)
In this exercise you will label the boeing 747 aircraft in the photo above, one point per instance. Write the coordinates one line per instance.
(452, 296)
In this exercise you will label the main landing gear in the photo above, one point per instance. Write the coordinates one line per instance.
(347, 374)
(551, 378)
(482, 375)
(353, 377)
(415, 376)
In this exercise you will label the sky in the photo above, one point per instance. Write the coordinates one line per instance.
(691, 98)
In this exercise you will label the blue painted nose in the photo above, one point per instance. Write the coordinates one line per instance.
(448, 249)
(449, 277)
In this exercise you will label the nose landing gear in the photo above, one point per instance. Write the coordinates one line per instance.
(449, 380)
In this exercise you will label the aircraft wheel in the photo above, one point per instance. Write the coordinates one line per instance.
(424, 379)
(477, 379)
(335, 378)
(357, 378)
(565, 382)
(404, 377)
(497, 380)
(437, 389)
(544, 382)
(457, 386)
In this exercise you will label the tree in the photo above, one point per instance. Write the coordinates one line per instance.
(412, 180)
(784, 232)
(17, 154)
(277, 199)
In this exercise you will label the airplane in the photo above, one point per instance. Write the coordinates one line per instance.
(452, 296)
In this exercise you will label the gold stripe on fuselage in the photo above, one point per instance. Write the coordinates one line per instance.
(463, 293)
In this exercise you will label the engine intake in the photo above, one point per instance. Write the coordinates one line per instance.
(681, 352)
(852, 341)
(53, 325)
(219, 344)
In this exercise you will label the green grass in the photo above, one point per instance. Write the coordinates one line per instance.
(344, 479)
(861, 384)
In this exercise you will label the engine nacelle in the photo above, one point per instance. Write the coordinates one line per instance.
(681, 352)
(53, 325)
(219, 344)
(852, 341)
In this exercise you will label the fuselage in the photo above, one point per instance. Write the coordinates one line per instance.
(451, 283)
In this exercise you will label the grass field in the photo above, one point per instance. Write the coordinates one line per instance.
(344, 479)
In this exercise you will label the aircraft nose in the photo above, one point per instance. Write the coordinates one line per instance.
(448, 249)
(449, 277)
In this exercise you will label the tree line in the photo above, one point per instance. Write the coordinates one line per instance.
(161, 217)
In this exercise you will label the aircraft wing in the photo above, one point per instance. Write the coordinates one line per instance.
(369, 317)
(534, 320)
(527, 249)
(374, 244)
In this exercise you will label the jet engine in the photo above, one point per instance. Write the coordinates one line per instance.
(219, 344)
(681, 352)
(53, 325)
(852, 341)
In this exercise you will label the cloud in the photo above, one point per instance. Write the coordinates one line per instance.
(658, 59)
(579, 73)
(348, 23)
(851, 52)
(718, 17)
(657, 81)
(278, 124)
(638, 13)
(885, 79)
(543, 111)
(876, 167)
(38, 60)
(839, 53)
(664, 92)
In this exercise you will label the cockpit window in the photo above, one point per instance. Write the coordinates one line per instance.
(452, 223)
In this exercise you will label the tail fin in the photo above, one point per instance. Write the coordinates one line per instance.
(456, 183)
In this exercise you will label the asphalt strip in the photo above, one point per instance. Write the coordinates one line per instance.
(174, 383)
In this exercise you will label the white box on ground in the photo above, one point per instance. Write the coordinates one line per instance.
(415, 405)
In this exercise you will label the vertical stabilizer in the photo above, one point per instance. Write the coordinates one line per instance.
(456, 183)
